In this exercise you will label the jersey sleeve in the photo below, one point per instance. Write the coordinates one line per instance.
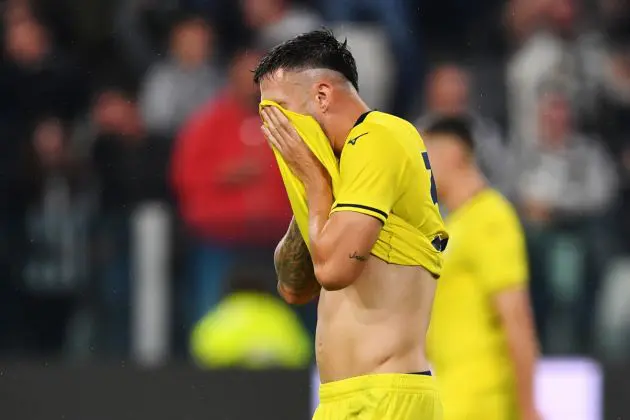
(371, 171)
(501, 257)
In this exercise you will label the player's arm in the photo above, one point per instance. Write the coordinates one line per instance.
(503, 263)
(296, 277)
(514, 309)
(340, 244)
(342, 234)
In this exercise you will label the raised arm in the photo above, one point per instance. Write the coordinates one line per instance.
(370, 172)
(296, 277)
(342, 234)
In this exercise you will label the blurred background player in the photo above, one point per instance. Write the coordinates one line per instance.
(481, 341)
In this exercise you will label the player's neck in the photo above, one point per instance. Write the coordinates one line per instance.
(353, 108)
(466, 185)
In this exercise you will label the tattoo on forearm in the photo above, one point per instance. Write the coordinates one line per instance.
(355, 256)
(294, 265)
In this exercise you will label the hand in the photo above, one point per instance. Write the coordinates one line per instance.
(281, 134)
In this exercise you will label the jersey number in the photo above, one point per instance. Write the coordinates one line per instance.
(427, 164)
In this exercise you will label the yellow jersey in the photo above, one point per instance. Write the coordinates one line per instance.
(385, 173)
(466, 344)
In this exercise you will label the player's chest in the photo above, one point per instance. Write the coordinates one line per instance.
(459, 253)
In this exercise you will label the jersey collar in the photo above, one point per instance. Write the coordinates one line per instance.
(361, 118)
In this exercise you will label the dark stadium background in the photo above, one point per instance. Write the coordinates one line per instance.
(136, 191)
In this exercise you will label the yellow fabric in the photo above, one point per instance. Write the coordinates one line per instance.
(489, 406)
(380, 397)
(316, 140)
(381, 173)
(466, 344)
(251, 330)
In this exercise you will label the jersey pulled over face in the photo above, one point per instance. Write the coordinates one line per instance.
(383, 172)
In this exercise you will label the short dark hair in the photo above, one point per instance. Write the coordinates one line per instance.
(313, 50)
(458, 127)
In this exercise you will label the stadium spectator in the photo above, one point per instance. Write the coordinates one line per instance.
(175, 87)
(130, 162)
(252, 329)
(395, 17)
(140, 30)
(566, 173)
(448, 94)
(59, 213)
(36, 78)
(130, 165)
(377, 79)
(275, 21)
(227, 18)
(552, 50)
(228, 185)
(614, 124)
(566, 191)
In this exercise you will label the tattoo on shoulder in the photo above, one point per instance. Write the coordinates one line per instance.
(355, 256)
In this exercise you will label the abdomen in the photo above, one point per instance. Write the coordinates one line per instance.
(377, 325)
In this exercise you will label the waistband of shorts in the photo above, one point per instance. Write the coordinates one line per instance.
(391, 381)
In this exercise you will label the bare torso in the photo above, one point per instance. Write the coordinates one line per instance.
(376, 325)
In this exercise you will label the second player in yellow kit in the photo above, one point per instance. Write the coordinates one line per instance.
(467, 344)
(480, 341)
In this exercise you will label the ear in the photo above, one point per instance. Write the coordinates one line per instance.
(324, 92)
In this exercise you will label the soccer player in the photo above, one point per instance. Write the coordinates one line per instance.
(375, 248)
(481, 341)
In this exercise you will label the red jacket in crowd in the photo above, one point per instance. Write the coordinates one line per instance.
(226, 178)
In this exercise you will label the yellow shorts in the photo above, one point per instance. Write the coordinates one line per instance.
(489, 406)
(380, 397)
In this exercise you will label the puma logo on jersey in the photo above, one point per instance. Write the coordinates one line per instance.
(354, 140)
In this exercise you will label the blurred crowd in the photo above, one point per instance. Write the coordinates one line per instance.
(108, 105)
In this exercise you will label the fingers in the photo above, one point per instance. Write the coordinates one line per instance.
(271, 116)
(281, 134)
(271, 139)
(279, 125)
(279, 116)
(273, 127)
(266, 129)
(271, 132)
